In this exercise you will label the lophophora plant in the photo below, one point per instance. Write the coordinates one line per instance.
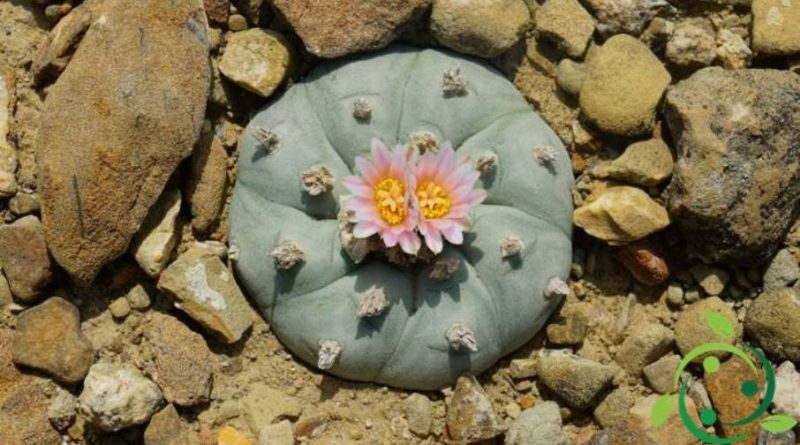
(446, 298)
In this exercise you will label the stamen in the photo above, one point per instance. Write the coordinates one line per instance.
(390, 198)
(433, 200)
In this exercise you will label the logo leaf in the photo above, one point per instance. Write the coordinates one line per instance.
(720, 324)
(778, 424)
(661, 410)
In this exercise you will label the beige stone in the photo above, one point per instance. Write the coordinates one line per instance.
(646, 163)
(485, 28)
(624, 84)
(775, 30)
(566, 23)
(621, 214)
(692, 328)
(153, 244)
(257, 60)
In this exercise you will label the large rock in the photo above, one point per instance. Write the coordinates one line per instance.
(624, 84)
(775, 30)
(620, 214)
(338, 27)
(203, 287)
(736, 185)
(24, 259)
(183, 363)
(485, 28)
(49, 339)
(23, 402)
(774, 322)
(731, 398)
(116, 397)
(115, 127)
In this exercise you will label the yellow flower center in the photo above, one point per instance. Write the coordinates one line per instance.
(433, 200)
(390, 198)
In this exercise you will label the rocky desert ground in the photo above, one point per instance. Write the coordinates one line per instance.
(119, 135)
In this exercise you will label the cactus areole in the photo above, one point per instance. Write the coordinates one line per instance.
(361, 310)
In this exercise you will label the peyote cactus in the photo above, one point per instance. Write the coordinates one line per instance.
(415, 322)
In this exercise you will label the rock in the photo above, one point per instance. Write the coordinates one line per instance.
(167, 428)
(120, 308)
(470, 415)
(660, 374)
(570, 76)
(620, 214)
(237, 22)
(692, 329)
(110, 138)
(280, 433)
(6, 299)
(787, 390)
(208, 182)
(540, 425)
(264, 405)
(674, 294)
(23, 403)
(726, 386)
(699, 395)
(691, 46)
(257, 12)
(712, 279)
(487, 28)
(645, 344)
(613, 410)
(638, 429)
(8, 156)
(644, 261)
(573, 330)
(55, 52)
(116, 397)
(335, 28)
(566, 23)
(783, 271)
(767, 438)
(735, 187)
(522, 368)
(626, 16)
(183, 363)
(732, 51)
(257, 60)
(624, 84)
(49, 338)
(153, 244)
(138, 299)
(419, 412)
(24, 259)
(205, 289)
(646, 163)
(310, 427)
(579, 381)
(25, 203)
(773, 321)
(774, 27)
(217, 11)
(231, 436)
(61, 411)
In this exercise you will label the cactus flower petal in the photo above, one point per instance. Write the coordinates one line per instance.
(444, 196)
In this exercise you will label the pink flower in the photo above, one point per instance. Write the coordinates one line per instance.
(445, 194)
(382, 197)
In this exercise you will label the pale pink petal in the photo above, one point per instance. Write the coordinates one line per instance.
(365, 229)
(453, 233)
(367, 170)
(409, 242)
(357, 186)
(434, 241)
(389, 238)
(381, 155)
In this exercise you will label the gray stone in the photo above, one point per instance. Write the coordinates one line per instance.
(691, 46)
(660, 374)
(783, 271)
(419, 412)
(49, 338)
(732, 50)
(116, 397)
(540, 425)
(24, 259)
(787, 390)
(773, 321)
(626, 16)
(735, 189)
(675, 294)
(204, 288)
(485, 28)
(280, 433)
(579, 381)
(153, 244)
(115, 128)
(644, 344)
(335, 28)
(61, 411)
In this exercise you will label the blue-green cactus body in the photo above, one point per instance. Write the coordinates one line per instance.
(500, 299)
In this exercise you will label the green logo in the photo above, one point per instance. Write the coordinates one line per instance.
(750, 388)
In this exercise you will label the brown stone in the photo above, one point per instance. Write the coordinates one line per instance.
(115, 128)
(49, 338)
(217, 11)
(638, 429)
(470, 415)
(23, 258)
(207, 183)
(183, 363)
(724, 387)
(167, 428)
(338, 27)
(23, 403)
(52, 56)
